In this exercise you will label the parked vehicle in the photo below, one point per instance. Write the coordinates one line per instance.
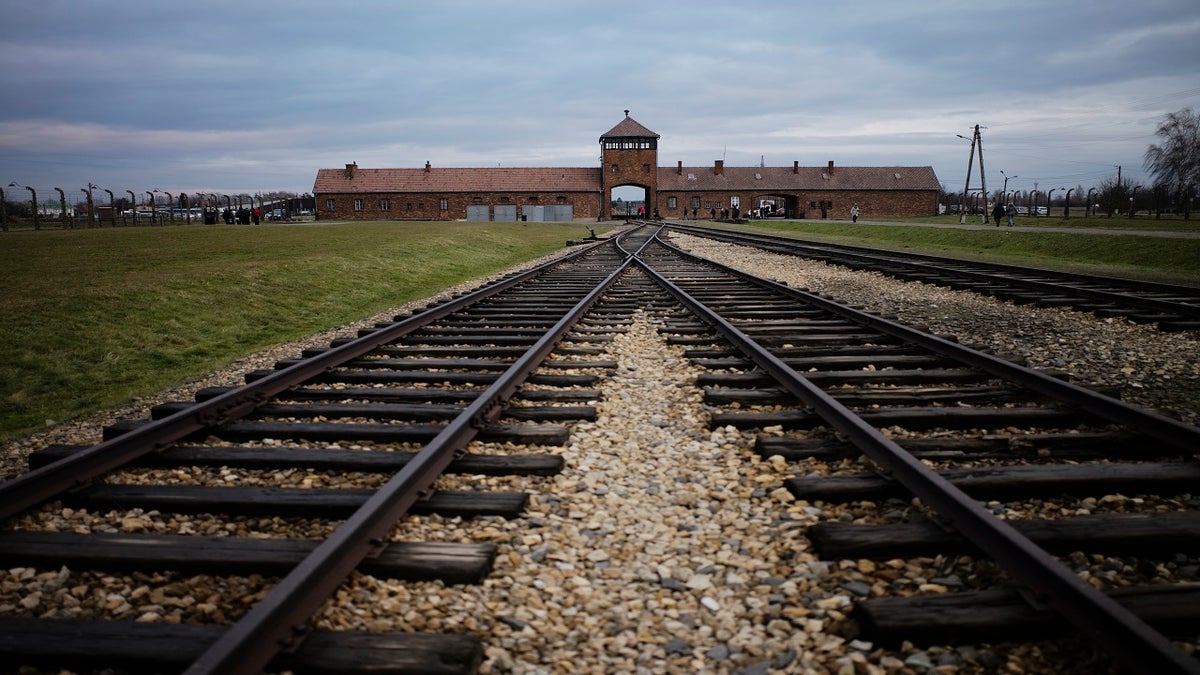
(277, 214)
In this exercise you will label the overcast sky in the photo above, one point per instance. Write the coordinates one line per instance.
(257, 95)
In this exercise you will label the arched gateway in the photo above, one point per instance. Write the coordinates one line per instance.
(629, 157)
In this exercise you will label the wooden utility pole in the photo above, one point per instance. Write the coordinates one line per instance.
(976, 139)
(983, 178)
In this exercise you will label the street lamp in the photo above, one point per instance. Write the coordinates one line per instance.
(962, 215)
(1006, 177)
(132, 207)
(36, 224)
(62, 203)
(1049, 196)
(153, 214)
(1067, 210)
(1087, 208)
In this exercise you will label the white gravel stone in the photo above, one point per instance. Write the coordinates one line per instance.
(663, 546)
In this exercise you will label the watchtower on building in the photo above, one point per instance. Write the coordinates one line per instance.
(628, 156)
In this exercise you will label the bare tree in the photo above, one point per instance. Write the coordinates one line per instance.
(1112, 194)
(1175, 164)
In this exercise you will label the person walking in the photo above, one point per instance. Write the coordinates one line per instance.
(854, 213)
(998, 213)
(1010, 211)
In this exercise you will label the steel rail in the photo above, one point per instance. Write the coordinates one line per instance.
(853, 253)
(1138, 284)
(1160, 427)
(280, 619)
(1125, 636)
(34, 487)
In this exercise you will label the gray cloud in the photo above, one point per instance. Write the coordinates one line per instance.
(248, 96)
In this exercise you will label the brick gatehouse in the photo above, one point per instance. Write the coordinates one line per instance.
(629, 157)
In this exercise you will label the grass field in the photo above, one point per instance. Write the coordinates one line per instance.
(95, 317)
(1167, 223)
(92, 318)
(1166, 260)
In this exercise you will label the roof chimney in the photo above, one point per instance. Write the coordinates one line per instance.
(680, 169)
(427, 166)
(719, 167)
(796, 166)
(830, 170)
(350, 170)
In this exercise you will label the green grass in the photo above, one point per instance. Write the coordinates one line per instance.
(1162, 259)
(1168, 223)
(93, 318)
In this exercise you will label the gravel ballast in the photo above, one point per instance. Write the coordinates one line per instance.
(663, 546)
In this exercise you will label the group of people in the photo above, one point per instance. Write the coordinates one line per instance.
(242, 216)
(1002, 211)
(713, 213)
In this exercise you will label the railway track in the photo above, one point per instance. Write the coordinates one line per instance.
(401, 400)
(1171, 307)
(933, 438)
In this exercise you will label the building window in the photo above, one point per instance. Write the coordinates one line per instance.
(504, 200)
(330, 205)
(444, 204)
(408, 206)
(614, 168)
(533, 199)
(561, 199)
(735, 202)
(477, 200)
(358, 205)
(672, 203)
(695, 202)
(645, 168)
(385, 205)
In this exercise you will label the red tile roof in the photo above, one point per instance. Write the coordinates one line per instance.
(333, 181)
(691, 178)
(629, 128)
(758, 179)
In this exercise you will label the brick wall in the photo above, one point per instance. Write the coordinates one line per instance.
(870, 202)
(428, 206)
(633, 167)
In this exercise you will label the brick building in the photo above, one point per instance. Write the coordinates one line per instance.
(629, 157)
